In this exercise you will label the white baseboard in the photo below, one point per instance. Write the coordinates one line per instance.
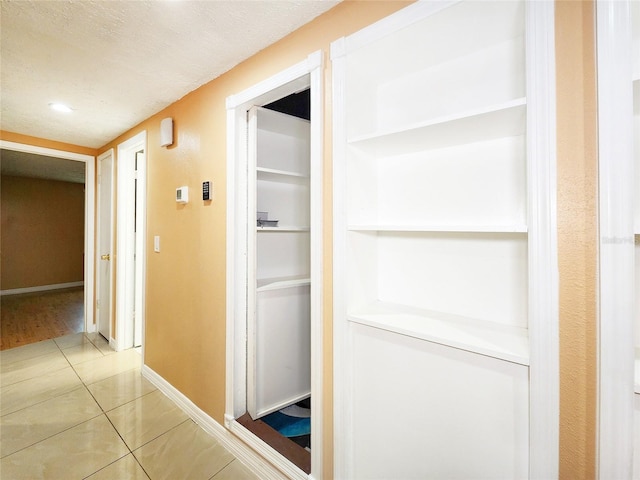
(41, 288)
(231, 442)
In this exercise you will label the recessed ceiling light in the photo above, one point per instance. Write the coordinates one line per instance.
(60, 107)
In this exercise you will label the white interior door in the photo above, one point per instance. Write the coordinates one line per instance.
(105, 218)
(279, 312)
(131, 227)
(139, 243)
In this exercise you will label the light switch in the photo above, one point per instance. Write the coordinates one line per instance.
(156, 243)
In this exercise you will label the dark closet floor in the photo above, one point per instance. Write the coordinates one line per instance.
(283, 445)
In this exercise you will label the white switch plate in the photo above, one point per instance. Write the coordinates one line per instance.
(156, 243)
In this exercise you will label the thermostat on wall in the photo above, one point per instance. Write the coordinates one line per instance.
(182, 195)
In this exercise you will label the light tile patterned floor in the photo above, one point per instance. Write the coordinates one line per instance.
(72, 408)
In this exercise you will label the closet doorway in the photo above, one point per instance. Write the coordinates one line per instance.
(274, 317)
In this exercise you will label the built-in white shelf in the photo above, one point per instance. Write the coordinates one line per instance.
(265, 284)
(440, 228)
(284, 228)
(442, 133)
(500, 341)
(496, 121)
(279, 262)
(274, 174)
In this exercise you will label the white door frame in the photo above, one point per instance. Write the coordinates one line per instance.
(108, 154)
(130, 239)
(616, 243)
(89, 216)
(307, 73)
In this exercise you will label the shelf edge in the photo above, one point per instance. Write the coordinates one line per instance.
(478, 112)
(285, 173)
(281, 284)
(517, 228)
(442, 340)
(283, 229)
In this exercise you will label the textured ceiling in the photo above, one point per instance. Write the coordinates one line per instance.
(117, 62)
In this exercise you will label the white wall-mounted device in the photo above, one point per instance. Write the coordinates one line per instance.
(166, 132)
(182, 195)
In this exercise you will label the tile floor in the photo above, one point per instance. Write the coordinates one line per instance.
(72, 408)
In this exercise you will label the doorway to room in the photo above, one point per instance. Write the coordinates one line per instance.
(44, 159)
(274, 320)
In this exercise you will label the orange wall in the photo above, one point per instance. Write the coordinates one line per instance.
(41, 142)
(42, 232)
(577, 236)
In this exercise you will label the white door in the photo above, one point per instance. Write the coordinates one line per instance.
(279, 312)
(139, 242)
(131, 208)
(105, 174)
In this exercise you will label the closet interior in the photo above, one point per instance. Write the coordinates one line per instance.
(278, 318)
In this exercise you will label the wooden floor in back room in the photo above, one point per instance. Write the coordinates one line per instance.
(32, 317)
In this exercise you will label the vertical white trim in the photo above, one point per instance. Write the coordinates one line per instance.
(342, 354)
(237, 223)
(315, 62)
(616, 248)
(108, 154)
(544, 373)
(141, 254)
(125, 237)
(252, 263)
(301, 75)
(89, 216)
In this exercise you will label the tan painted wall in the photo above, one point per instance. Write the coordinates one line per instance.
(41, 142)
(42, 232)
(577, 236)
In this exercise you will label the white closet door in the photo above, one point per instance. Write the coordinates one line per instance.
(279, 334)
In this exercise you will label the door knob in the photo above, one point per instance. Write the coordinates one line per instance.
(105, 257)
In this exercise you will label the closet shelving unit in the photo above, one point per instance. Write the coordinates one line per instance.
(279, 258)
(437, 192)
(438, 182)
(282, 190)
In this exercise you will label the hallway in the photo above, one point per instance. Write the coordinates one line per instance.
(72, 408)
